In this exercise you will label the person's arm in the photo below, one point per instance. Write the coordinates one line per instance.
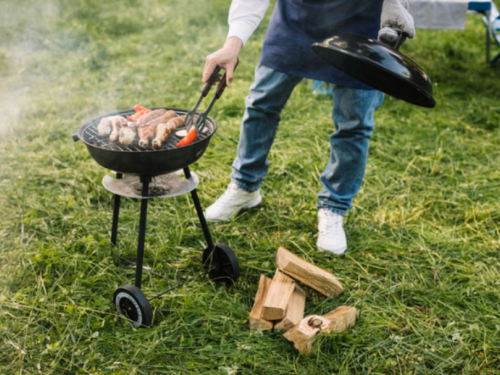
(244, 17)
(395, 19)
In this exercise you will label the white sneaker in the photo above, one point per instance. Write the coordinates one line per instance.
(331, 236)
(231, 202)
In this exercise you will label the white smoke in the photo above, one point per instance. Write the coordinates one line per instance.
(20, 25)
(11, 104)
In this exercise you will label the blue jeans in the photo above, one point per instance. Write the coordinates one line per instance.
(352, 114)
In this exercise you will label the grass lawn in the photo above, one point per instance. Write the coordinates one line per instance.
(423, 265)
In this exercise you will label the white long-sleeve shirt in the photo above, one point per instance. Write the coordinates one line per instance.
(245, 16)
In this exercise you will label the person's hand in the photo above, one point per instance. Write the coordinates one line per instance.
(395, 20)
(226, 58)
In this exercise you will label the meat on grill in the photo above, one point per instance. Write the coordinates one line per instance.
(165, 129)
(162, 119)
(127, 134)
(146, 132)
(144, 119)
(159, 122)
(105, 127)
(116, 123)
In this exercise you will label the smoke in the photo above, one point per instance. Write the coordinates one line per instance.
(22, 25)
(11, 104)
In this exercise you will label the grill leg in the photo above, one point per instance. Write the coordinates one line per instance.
(142, 232)
(116, 214)
(199, 211)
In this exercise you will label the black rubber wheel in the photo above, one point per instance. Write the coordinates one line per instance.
(221, 264)
(131, 302)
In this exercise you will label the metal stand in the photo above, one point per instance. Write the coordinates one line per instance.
(116, 214)
(199, 211)
(142, 231)
(219, 260)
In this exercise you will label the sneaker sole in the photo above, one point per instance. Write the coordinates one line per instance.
(340, 251)
(252, 204)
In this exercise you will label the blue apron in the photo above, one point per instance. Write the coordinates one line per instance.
(296, 24)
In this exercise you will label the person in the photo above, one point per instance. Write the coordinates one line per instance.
(286, 59)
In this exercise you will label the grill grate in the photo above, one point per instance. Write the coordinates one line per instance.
(90, 136)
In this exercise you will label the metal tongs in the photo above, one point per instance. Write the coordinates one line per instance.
(199, 124)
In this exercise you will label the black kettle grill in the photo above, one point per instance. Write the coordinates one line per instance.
(147, 173)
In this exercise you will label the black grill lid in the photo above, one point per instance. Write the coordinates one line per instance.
(378, 65)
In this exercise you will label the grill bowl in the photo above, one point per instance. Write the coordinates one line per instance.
(134, 160)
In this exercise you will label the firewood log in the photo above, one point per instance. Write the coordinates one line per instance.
(277, 298)
(294, 311)
(256, 322)
(305, 333)
(317, 278)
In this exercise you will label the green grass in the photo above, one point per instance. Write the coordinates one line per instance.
(423, 266)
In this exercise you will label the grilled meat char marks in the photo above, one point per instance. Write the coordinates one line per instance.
(147, 126)
(164, 130)
(157, 124)
(144, 119)
(162, 119)
(145, 132)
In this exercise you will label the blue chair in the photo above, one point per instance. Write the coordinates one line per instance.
(491, 21)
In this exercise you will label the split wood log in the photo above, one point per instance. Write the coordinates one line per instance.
(278, 297)
(294, 311)
(340, 319)
(256, 322)
(305, 333)
(313, 276)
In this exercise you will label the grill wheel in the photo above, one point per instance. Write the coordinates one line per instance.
(221, 264)
(131, 302)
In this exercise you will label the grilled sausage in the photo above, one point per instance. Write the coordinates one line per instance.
(162, 133)
(179, 121)
(164, 130)
(117, 122)
(162, 119)
(144, 119)
(146, 132)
